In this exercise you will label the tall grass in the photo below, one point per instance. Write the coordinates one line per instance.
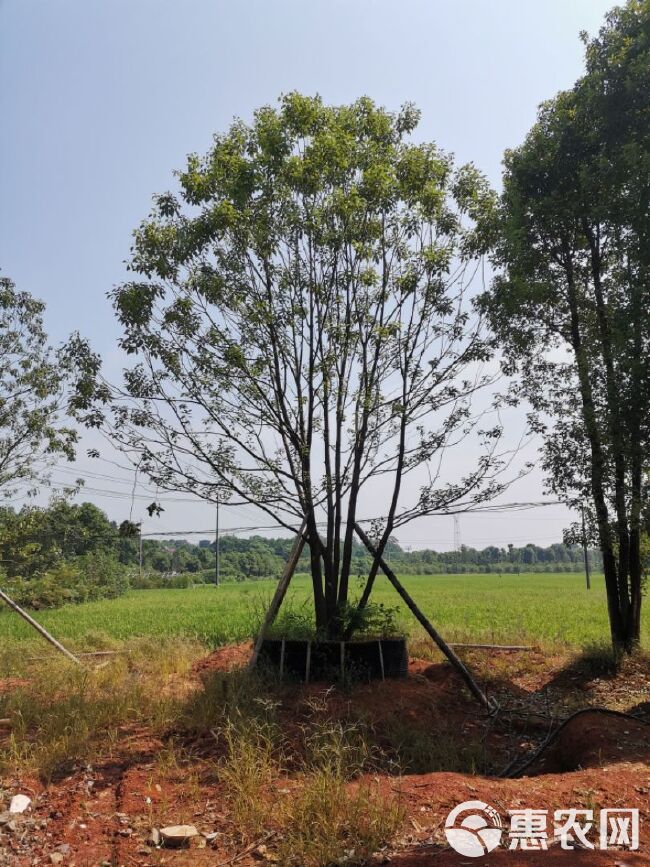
(328, 823)
(297, 769)
(324, 818)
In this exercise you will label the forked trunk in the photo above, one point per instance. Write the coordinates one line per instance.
(623, 601)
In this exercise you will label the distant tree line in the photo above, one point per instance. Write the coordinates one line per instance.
(69, 552)
(493, 560)
(73, 553)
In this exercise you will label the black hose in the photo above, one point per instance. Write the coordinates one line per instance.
(509, 773)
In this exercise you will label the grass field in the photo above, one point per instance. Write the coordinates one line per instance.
(529, 608)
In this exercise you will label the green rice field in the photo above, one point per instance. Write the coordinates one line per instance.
(548, 609)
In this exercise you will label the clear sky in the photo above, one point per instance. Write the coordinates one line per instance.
(101, 100)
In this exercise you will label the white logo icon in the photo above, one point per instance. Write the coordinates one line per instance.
(477, 833)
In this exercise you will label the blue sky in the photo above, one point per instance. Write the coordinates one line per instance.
(101, 101)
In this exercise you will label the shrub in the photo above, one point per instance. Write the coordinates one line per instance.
(97, 575)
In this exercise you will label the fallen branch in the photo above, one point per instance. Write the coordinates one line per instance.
(495, 646)
(246, 851)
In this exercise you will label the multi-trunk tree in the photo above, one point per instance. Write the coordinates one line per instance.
(572, 305)
(303, 334)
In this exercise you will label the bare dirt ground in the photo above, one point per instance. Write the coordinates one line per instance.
(103, 814)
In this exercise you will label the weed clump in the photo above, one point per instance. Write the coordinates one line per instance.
(323, 818)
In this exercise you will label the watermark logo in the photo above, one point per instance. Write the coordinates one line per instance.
(476, 833)
(473, 829)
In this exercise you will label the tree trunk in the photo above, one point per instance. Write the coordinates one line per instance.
(320, 604)
(618, 625)
(637, 377)
(614, 424)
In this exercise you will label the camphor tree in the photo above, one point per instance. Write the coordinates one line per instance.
(303, 333)
(32, 379)
(572, 306)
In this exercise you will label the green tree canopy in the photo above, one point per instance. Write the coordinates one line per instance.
(31, 393)
(303, 332)
(572, 304)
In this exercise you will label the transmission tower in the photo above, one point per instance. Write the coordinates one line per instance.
(457, 542)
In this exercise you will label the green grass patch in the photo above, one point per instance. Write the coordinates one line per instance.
(551, 609)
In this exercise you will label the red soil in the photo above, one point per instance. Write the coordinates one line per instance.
(226, 658)
(9, 683)
(104, 814)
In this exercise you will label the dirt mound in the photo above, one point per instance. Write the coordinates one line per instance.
(227, 658)
(594, 739)
(433, 699)
(428, 799)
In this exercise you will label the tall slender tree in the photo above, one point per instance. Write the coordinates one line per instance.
(572, 303)
(303, 331)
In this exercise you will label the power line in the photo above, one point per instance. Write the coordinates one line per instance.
(91, 474)
(505, 507)
(482, 509)
(486, 510)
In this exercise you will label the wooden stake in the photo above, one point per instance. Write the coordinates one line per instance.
(472, 685)
(280, 593)
(37, 626)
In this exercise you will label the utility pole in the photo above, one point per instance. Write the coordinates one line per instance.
(140, 557)
(584, 549)
(216, 548)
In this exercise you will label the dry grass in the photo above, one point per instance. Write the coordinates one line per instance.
(62, 714)
(251, 764)
(323, 818)
(303, 773)
(423, 751)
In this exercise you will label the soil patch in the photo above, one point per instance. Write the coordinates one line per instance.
(227, 658)
(103, 813)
